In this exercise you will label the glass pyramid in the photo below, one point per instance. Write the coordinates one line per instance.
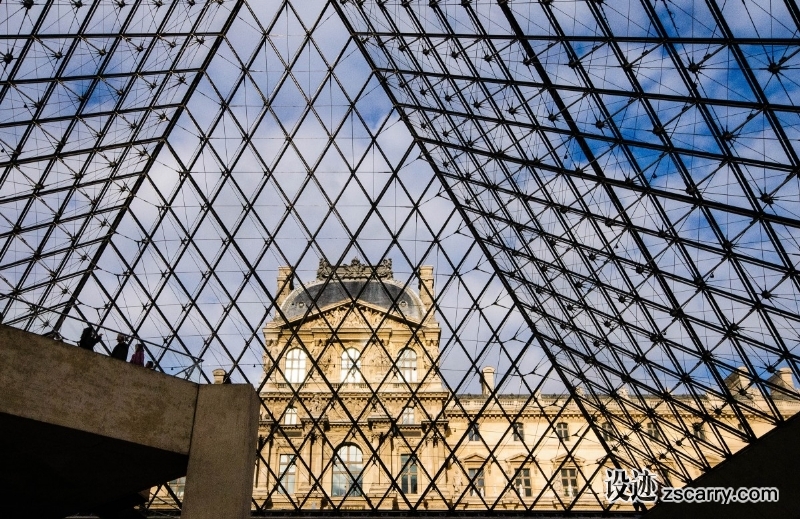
(608, 194)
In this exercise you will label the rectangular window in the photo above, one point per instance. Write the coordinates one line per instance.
(474, 433)
(652, 431)
(476, 476)
(290, 417)
(408, 474)
(407, 418)
(177, 486)
(569, 482)
(699, 432)
(607, 431)
(523, 483)
(518, 432)
(562, 430)
(351, 366)
(286, 472)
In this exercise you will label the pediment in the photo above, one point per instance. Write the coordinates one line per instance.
(473, 459)
(568, 460)
(519, 459)
(349, 315)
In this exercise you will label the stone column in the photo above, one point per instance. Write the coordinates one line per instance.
(305, 467)
(263, 474)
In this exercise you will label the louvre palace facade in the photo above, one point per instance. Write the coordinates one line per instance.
(357, 416)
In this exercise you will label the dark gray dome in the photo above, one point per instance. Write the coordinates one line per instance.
(381, 293)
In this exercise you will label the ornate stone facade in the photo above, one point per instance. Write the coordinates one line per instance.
(349, 370)
(369, 386)
(385, 340)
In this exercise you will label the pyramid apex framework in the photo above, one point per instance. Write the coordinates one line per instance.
(608, 192)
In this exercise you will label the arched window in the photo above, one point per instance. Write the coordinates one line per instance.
(351, 366)
(348, 463)
(295, 366)
(407, 364)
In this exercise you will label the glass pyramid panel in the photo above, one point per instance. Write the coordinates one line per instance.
(470, 253)
(621, 164)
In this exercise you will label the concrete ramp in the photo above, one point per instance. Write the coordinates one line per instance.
(81, 431)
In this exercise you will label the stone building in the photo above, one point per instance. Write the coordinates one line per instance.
(372, 341)
(356, 416)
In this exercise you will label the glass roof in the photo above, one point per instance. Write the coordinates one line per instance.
(608, 191)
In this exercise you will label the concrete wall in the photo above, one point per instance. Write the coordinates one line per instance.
(61, 384)
(81, 432)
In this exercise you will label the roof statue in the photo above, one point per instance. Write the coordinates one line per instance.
(355, 270)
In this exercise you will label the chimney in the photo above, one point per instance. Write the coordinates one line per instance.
(426, 285)
(736, 380)
(487, 380)
(783, 379)
(285, 284)
(219, 375)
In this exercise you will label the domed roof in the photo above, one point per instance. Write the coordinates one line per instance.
(355, 282)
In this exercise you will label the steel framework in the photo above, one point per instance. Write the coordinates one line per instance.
(608, 190)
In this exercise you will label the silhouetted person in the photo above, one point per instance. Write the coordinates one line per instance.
(138, 355)
(89, 338)
(120, 351)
